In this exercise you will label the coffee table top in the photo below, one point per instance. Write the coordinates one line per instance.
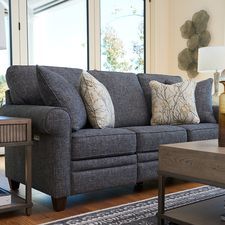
(201, 161)
(201, 146)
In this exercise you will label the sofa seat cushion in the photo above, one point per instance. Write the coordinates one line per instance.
(95, 143)
(202, 131)
(150, 137)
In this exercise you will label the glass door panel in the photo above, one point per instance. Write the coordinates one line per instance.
(4, 51)
(122, 35)
(57, 32)
(4, 47)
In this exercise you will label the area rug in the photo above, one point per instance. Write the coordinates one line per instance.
(141, 212)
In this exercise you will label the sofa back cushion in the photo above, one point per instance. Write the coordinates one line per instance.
(55, 90)
(23, 84)
(203, 98)
(127, 97)
(144, 80)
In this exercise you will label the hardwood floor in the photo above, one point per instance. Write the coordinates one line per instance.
(42, 209)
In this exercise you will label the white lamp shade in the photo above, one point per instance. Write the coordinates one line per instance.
(211, 59)
(2, 28)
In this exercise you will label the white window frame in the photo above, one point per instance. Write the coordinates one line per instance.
(95, 40)
(148, 36)
(19, 32)
(20, 36)
(94, 34)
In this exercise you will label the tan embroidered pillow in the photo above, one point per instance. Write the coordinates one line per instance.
(173, 104)
(98, 103)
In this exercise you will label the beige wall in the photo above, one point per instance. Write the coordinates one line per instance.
(159, 33)
(169, 17)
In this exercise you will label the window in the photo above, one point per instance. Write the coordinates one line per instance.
(4, 47)
(109, 35)
(57, 33)
(4, 50)
(122, 35)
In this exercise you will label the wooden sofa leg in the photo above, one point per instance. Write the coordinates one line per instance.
(14, 185)
(59, 204)
(139, 186)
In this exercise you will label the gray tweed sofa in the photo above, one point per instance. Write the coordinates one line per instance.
(67, 162)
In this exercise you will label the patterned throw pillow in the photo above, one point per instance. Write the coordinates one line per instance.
(97, 101)
(173, 104)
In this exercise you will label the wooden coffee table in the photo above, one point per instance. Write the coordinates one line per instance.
(201, 161)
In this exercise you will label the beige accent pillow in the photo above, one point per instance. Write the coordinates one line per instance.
(173, 104)
(98, 103)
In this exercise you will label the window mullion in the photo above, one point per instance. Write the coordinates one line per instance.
(147, 36)
(15, 34)
(23, 32)
(94, 34)
(19, 32)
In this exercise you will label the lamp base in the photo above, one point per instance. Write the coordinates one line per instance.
(215, 97)
(216, 82)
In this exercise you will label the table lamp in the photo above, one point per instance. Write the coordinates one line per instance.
(212, 59)
(2, 27)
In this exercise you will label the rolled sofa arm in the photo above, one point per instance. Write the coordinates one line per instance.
(45, 119)
(216, 112)
(51, 156)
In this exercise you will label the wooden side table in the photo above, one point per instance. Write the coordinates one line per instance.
(17, 132)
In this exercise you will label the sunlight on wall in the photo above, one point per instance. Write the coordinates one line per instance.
(172, 17)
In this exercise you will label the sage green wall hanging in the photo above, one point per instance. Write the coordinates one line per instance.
(197, 35)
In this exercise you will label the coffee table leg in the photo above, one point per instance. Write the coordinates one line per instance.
(161, 199)
(28, 177)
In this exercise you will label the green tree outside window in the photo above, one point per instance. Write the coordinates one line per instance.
(120, 52)
(3, 88)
